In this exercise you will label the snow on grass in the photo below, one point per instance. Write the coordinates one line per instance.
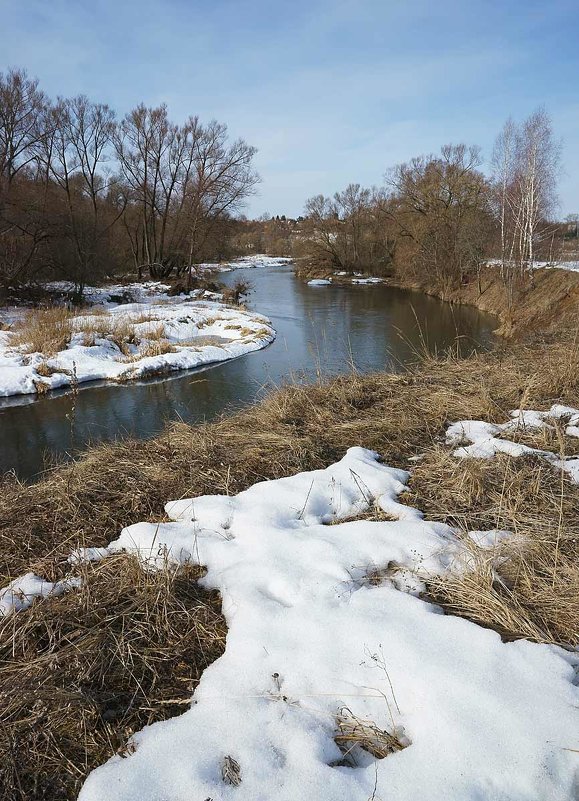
(573, 266)
(21, 592)
(338, 681)
(487, 439)
(319, 282)
(124, 341)
(113, 295)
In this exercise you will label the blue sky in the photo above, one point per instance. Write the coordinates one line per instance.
(329, 92)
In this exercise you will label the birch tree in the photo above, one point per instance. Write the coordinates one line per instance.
(525, 166)
(503, 164)
(535, 199)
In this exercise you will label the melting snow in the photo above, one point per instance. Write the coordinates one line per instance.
(310, 635)
(21, 592)
(186, 324)
(486, 439)
(256, 260)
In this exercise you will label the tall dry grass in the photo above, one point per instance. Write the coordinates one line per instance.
(532, 590)
(48, 331)
(45, 331)
(297, 428)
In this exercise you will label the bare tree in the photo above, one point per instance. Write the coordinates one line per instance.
(147, 147)
(76, 154)
(22, 230)
(503, 164)
(21, 107)
(525, 165)
(184, 180)
(440, 207)
(222, 180)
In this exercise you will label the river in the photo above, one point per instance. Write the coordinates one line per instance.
(321, 330)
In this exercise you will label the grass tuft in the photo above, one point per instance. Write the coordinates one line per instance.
(355, 732)
(45, 331)
(79, 674)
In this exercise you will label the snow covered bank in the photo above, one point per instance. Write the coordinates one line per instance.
(256, 260)
(113, 295)
(325, 631)
(572, 266)
(484, 440)
(126, 341)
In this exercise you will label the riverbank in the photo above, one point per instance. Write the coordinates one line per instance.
(319, 332)
(548, 302)
(529, 588)
(126, 333)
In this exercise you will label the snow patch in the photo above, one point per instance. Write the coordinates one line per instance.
(82, 555)
(23, 591)
(256, 260)
(486, 439)
(325, 618)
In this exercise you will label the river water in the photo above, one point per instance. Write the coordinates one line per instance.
(320, 330)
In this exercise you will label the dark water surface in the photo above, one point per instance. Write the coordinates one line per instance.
(319, 330)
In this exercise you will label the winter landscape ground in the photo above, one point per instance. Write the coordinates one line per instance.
(126, 332)
(289, 464)
(398, 621)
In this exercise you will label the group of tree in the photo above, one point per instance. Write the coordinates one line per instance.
(439, 218)
(84, 195)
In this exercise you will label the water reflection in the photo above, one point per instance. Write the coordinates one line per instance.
(319, 330)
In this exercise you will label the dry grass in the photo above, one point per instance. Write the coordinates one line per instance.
(209, 321)
(374, 513)
(99, 326)
(204, 339)
(81, 673)
(355, 732)
(156, 347)
(297, 428)
(49, 331)
(41, 387)
(534, 592)
(44, 331)
(45, 370)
